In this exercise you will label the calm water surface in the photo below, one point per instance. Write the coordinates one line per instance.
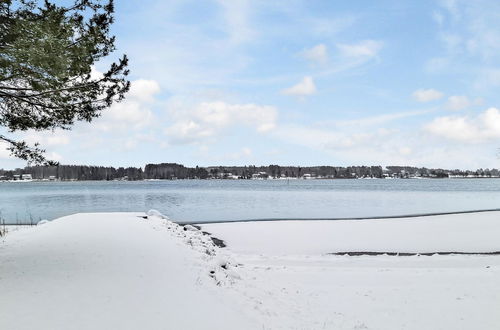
(212, 200)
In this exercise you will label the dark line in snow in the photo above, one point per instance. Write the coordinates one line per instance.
(408, 254)
(418, 215)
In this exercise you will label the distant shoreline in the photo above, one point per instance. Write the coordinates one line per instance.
(175, 171)
(241, 179)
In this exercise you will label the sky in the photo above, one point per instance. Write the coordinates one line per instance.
(235, 82)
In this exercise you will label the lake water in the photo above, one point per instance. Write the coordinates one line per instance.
(215, 200)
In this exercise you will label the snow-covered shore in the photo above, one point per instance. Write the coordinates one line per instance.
(123, 271)
(469, 232)
(291, 268)
(113, 271)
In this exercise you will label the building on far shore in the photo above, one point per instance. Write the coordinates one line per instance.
(260, 176)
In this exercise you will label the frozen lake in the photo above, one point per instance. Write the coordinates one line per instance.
(215, 200)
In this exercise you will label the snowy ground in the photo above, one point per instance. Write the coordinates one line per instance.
(470, 232)
(334, 292)
(120, 271)
(113, 271)
(288, 269)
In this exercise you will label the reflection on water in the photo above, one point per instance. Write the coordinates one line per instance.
(159, 198)
(202, 200)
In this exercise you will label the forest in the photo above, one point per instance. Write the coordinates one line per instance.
(172, 171)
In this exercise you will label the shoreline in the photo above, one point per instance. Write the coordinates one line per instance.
(412, 254)
(381, 217)
(464, 232)
(271, 275)
(244, 179)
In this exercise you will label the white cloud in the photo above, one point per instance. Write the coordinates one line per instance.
(405, 151)
(54, 156)
(469, 32)
(380, 119)
(95, 74)
(452, 7)
(130, 144)
(126, 115)
(427, 95)
(246, 152)
(190, 53)
(322, 139)
(488, 77)
(317, 54)
(453, 42)
(346, 146)
(143, 90)
(458, 102)
(216, 156)
(351, 56)
(46, 138)
(189, 131)
(438, 17)
(303, 88)
(365, 48)
(482, 36)
(236, 15)
(134, 112)
(482, 128)
(436, 64)
(4, 153)
(207, 120)
(242, 154)
(327, 27)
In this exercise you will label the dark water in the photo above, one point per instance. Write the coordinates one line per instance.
(207, 200)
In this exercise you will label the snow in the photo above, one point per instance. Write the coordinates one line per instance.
(156, 213)
(473, 232)
(290, 274)
(374, 292)
(112, 271)
(142, 271)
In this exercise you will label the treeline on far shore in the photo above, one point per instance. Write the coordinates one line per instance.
(171, 171)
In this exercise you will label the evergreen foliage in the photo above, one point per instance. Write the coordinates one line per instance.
(47, 53)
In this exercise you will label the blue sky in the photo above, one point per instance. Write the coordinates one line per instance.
(298, 83)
